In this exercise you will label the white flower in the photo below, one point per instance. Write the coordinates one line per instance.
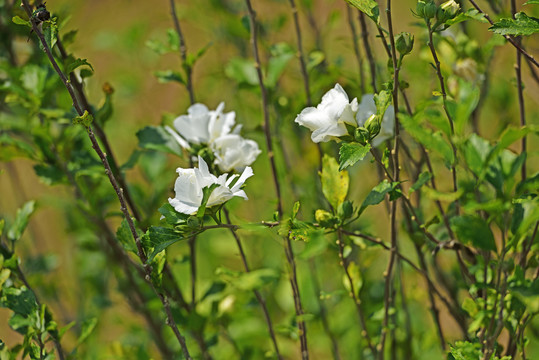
(327, 120)
(232, 152)
(190, 182)
(201, 126)
(367, 107)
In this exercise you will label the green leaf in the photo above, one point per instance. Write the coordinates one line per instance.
(166, 76)
(351, 153)
(192, 58)
(242, 70)
(21, 221)
(357, 279)
(334, 181)
(172, 217)
(421, 180)
(378, 194)
(85, 119)
(281, 53)
(125, 237)
(20, 21)
(157, 138)
(50, 32)
(470, 14)
(20, 300)
(88, 327)
(75, 63)
(382, 100)
(49, 174)
(368, 7)
(532, 2)
(248, 281)
(104, 113)
(522, 25)
(69, 37)
(162, 237)
(475, 231)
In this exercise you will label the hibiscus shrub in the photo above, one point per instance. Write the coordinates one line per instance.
(391, 179)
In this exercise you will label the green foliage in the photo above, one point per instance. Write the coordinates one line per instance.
(21, 221)
(474, 231)
(521, 25)
(156, 138)
(351, 153)
(368, 7)
(335, 181)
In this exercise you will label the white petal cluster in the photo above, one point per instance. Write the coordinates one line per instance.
(215, 129)
(191, 182)
(327, 120)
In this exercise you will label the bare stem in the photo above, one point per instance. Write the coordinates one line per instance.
(258, 296)
(112, 179)
(183, 53)
(368, 51)
(449, 118)
(297, 299)
(353, 294)
(507, 37)
(300, 54)
(355, 40)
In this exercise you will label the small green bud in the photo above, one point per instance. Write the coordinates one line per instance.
(404, 43)
(430, 10)
(420, 8)
(362, 135)
(373, 125)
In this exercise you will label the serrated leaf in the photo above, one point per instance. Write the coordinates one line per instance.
(521, 25)
(474, 231)
(470, 14)
(72, 65)
(21, 221)
(368, 7)
(50, 32)
(157, 138)
(421, 180)
(334, 181)
(351, 153)
(160, 238)
(20, 300)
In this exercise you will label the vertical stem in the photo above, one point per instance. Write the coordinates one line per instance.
(183, 53)
(355, 40)
(258, 296)
(368, 51)
(323, 311)
(354, 295)
(520, 90)
(297, 299)
(267, 129)
(449, 118)
(112, 180)
(388, 299)
(300, 54)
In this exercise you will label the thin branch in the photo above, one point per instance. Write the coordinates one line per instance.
(368, 51)
(297, 298)
(354, 295)
(112, 179)
(267, 128)
(355, 40)
(258, 296)
(388, 298)
(183, 53)
(449, 117)
(300, 55)
(507, 37)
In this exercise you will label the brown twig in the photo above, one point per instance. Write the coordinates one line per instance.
(300, 55)
(258, 296)
(183, 53)
(263, 90)
(368, 51)
(112, 179)
(354, 295)
(355, 41)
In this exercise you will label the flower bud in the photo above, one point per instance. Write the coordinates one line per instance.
(429, 10)
(420, 8)
(362, 135)
(373, 125)
(447, 11)
(404, 43)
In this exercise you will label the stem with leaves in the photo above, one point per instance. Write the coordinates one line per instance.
(112, 179)
(388, 298)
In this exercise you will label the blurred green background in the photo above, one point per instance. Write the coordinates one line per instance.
(113, 36)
